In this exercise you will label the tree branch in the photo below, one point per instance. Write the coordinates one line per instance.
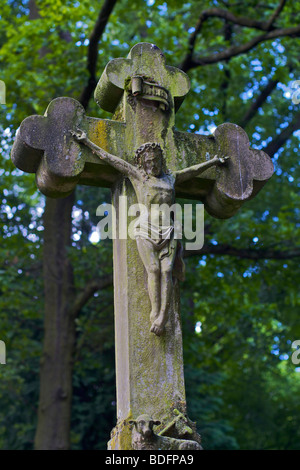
(227, 75)
(238, 20)
(244, 253)
(276, 14)
(243, 48)
(266, 26)
(90, 289)
(285, 135)
(97, 32)
(266, 91)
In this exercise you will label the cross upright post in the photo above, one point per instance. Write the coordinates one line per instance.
(63, 149)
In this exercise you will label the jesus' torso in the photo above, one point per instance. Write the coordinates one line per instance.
(153, 193)
(155, 190)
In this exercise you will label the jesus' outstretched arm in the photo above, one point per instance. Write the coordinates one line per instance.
(195, 170)
(121, 165)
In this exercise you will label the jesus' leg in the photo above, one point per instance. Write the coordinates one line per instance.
(150, 260)
(166, 292)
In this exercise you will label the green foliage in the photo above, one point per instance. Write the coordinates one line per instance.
(242, 388)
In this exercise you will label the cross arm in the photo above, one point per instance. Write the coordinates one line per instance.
(44, 145)
(223, 188)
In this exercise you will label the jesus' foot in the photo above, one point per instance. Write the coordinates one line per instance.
(157, 328)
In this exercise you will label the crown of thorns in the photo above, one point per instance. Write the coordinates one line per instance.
(146, 146)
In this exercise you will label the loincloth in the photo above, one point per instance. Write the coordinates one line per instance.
(163, 240)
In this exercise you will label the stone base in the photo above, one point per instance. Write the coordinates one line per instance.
(178, 432)
(120, 437)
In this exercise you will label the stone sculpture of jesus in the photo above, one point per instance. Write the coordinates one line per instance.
(154, 186)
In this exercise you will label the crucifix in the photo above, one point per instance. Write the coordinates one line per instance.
(139, 154)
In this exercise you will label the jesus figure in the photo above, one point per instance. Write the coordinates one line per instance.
(156, 244)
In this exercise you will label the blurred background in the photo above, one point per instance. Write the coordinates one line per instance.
(240, 299)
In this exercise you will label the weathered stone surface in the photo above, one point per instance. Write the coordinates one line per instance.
(45, 146)
(144, 60)
(245, 174)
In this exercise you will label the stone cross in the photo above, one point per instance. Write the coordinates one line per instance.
(63, 148)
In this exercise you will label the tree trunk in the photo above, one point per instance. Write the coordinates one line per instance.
(54, 414)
